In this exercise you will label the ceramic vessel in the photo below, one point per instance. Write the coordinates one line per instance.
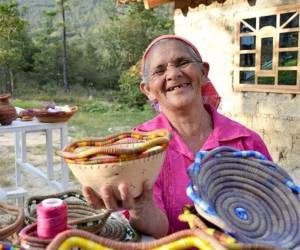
(7, 112)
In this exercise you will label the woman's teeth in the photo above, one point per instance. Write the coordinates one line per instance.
(177, 86)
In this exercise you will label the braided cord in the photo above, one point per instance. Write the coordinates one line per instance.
(114, 149)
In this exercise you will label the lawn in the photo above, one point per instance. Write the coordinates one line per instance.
(97, 117)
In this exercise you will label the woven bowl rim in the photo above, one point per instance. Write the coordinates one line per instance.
(17, 224)
(45, 113)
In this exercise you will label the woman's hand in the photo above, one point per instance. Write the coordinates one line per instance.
(144, 215)
(106, 198)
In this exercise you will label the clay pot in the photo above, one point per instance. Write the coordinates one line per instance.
(7, 112)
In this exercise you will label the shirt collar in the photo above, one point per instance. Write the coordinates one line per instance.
(224, 129)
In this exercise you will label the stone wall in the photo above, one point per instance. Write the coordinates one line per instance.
(276, 117)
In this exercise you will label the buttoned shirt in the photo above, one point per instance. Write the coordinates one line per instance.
(169, 190)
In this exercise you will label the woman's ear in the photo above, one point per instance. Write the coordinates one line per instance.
(147, 91)
(205, 69)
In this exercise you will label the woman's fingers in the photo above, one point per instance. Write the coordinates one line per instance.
(126, 197)
(92, 197)
(107, 194)
(107, 199)
(147, 190)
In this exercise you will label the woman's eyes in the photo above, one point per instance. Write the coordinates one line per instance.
(183, 62)
(180, 63)
(158, 72)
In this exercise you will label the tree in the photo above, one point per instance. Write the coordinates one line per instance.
(48, 58)
(127, 35)
(52, 60)
(63, 7)
(12, 36)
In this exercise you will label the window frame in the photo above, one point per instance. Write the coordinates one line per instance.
(259, 34)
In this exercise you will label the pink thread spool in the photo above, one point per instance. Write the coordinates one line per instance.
(52, 218)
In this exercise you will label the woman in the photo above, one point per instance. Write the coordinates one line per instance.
(173, 76)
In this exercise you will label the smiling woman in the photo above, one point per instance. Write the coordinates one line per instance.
(175, 76)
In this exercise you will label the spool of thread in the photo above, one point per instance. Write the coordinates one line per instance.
(52, 218)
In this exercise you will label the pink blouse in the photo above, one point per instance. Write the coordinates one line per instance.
(170, 188)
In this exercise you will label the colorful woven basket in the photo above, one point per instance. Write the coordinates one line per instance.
(190, 216)
(118, 228)
(80, 214)
(247, 196)
(30, 240)
(181, 240)
(11, 221)
(131, 157)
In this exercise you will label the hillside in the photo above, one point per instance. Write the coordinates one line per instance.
(81, 16)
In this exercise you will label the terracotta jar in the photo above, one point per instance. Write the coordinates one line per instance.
(7, 112)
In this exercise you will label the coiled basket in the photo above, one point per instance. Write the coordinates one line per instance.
(247, 196)
(131, 157)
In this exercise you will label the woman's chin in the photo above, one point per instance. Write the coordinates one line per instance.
(181, 104)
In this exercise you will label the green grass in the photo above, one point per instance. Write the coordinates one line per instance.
(97, 117)
(101, 124)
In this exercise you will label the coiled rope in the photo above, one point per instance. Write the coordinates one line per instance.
(246, 195)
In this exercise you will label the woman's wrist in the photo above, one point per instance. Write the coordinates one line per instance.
(141, 209)
(149, 219)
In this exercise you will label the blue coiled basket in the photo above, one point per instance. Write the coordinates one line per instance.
(247, 196)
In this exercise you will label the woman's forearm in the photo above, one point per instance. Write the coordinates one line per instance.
(150, 220)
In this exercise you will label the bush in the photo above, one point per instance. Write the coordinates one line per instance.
(130, 93)
(94, 107)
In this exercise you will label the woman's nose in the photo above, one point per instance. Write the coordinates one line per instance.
(173, 72)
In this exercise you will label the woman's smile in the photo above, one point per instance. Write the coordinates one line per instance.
(178, 86)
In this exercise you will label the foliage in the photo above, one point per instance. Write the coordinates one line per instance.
(126, 36)
(94, 107)
(129, 87)
(13, 42)
(104, 42)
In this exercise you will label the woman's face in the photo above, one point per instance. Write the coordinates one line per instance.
(174, 76)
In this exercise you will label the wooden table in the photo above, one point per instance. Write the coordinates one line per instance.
(20, 129)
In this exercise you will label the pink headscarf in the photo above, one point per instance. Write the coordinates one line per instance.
(209, 93)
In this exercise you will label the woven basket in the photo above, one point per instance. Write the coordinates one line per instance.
(44, 116)
(118, 228)
(181, 240)
(131, 157)
(80, 214)
(11, 221)
(190, 216)
(247, 196)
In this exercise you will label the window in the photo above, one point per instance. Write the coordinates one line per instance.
(267, 57)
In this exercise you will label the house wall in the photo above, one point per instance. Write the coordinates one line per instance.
(276, 117)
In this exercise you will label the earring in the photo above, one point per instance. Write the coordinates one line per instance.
(155, 105)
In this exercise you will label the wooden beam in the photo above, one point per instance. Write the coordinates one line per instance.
(154, 3)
